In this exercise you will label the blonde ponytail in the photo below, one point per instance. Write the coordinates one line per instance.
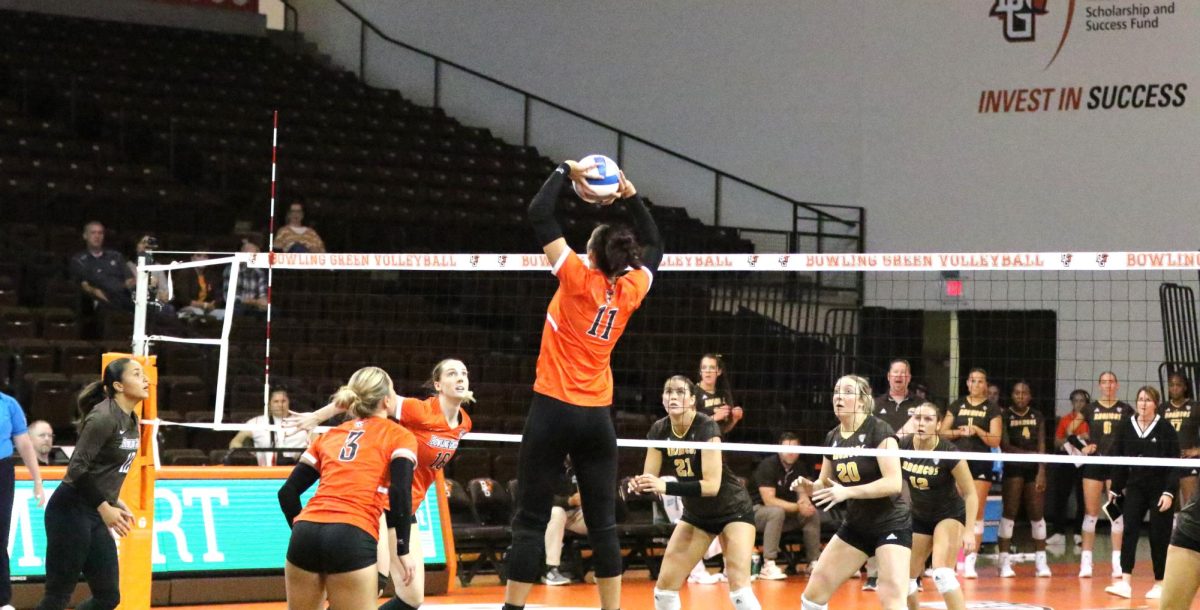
(361, 395)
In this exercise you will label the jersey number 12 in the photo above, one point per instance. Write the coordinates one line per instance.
(608, 324)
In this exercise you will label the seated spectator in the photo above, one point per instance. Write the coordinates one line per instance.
(280, 413)
(779, 509)
(42, 436)
(294, 236)
(250, 295)
(158, 279)
(103, 275)
(198, 290)
(566, 514)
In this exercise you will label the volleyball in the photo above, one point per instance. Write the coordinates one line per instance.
(604, 179)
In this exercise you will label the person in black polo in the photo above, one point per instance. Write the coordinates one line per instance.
(779, 509)
(895, 407)
(102, 274)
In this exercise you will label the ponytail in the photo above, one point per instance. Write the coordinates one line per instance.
(615, 249)
(105, 387)
(361, 395)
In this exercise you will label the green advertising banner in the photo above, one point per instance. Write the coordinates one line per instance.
(202, 525)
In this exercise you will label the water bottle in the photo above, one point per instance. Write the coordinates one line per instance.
(755, 564)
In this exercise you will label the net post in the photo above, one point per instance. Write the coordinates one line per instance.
(135, 551)
(141, 300)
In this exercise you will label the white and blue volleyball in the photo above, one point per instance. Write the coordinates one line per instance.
(604, 179)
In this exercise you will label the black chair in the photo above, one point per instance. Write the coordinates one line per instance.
(488, 538)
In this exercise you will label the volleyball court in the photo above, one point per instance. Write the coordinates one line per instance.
(781, 330)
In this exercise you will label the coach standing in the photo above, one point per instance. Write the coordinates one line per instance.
(13, 434)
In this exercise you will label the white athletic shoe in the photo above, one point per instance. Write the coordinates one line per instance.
(770, 571)
(1042, 570)
(969, 566)
(1155, 592)
(1006, 571)
(1057, 539)
(1085, 570)
(706, 579)
(1120, 589)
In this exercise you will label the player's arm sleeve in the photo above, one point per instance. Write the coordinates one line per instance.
(541, 208)
(399, 513)
(303, 476)
(647, 232)
(95, 434)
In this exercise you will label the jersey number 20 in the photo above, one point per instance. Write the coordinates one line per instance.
(595, 331)
(350, 449)
(847, 472)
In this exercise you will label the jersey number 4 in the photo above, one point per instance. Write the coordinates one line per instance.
(350, 449)
(608, 324)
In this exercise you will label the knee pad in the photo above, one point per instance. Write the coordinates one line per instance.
(1006, 527)
(1089, 524)
(1118, 525)
(1038, 529)
(912, 587)
(979, 527)
(606, 552)
(805, 604)
(945, 580)
(396, 604)
(666, 600)
(743, 599)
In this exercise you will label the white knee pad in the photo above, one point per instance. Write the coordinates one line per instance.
(1006, 527)
(1089, 524)
(808, 605)
(1118, 525)
(666, 600)
(1038, 529)
(979, 527)
(743, 599)
(912, 587)
(945, 580)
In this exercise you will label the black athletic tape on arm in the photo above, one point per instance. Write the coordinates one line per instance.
(303, 476)
(541, 208)
(647, 232)
(690, 489)
(399, 516)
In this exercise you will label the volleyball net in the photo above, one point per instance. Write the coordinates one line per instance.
(786, 327)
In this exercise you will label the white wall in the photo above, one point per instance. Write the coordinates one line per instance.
(856, 102)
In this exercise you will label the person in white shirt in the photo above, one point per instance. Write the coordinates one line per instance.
(280, 413)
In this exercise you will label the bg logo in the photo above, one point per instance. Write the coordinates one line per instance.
(1019, 17)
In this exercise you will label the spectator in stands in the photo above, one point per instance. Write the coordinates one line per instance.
(42, 436)
(103, 275)
(13, 435)
(250, 295)
(198, 290)
(920, 391)
(716, 395)
(779, 509)
(566, 514)
(1065, 478)
(896, 406)
(158, 279)
(280, 413)
(294, 236)
(993, 394)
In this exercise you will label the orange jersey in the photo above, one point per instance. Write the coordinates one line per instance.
(585, 319)
(354, 460)
(436, 440)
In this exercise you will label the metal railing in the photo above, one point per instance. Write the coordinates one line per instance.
(823, 227)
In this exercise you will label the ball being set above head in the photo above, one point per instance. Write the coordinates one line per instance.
(604, 179)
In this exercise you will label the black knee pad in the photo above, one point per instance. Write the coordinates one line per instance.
(606, 552)
(396, 604)
(526, 554)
